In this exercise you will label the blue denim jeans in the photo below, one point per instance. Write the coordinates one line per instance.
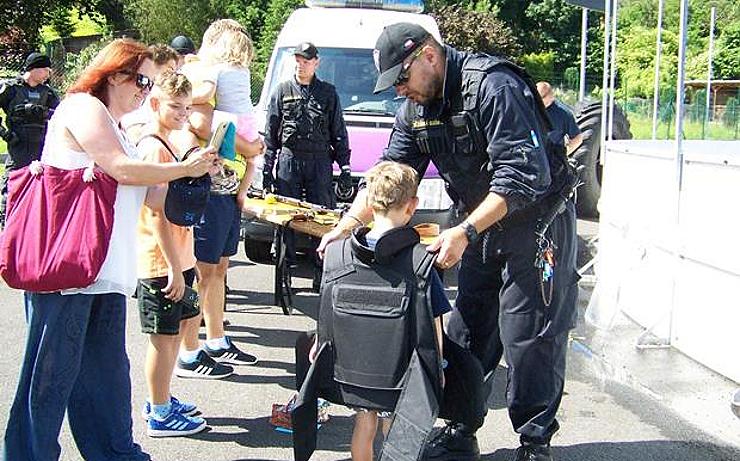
(75, 361)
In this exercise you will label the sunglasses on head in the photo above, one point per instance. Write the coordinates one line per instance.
(403, 77)
(143, 82)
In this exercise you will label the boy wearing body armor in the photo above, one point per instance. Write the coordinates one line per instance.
(381, 308)
(27, 102)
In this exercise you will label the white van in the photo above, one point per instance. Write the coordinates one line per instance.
(345, 38)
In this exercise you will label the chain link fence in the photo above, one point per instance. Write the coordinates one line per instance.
(723, 122)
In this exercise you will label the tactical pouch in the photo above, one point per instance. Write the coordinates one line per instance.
(371, 319)
(431, 138)
(464, 132)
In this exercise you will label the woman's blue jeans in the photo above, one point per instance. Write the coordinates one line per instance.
(75, 361)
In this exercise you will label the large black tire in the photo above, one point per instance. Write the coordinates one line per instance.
(258, 251)
(588, 118)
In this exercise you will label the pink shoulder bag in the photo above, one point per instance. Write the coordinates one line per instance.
(58, 228)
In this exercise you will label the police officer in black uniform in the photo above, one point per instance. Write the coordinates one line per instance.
(564, 123)
(27, 102)
(306, 133)
(481, 122)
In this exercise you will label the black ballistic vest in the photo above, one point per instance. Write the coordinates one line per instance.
(457, 144)
(375, 311)
(376, 341)
(305, 120)
(27, 116)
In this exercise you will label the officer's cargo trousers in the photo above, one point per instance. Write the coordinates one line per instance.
(500, 311)
(299, 171)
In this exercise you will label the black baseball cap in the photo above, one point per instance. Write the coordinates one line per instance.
(307, 50)
(36, 61)
(394, 45)
(183, 45)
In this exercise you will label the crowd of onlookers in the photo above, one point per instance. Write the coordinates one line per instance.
(149, 113)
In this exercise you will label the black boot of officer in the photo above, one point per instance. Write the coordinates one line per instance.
(457, 442)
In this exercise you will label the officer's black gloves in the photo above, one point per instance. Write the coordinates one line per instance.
(8, 136)
(345, 179)
(268, 180)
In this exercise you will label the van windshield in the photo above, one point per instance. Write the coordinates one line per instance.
(352, 71)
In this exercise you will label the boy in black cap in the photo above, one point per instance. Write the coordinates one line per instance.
(483, 124)
(305, 135)
(27, 102)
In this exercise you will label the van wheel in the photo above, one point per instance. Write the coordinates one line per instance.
(258, 251)
(588, 118)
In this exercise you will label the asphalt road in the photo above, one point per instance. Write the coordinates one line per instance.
(600, 420)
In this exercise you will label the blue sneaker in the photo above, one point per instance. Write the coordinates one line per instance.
(175, 425)
(184, 408)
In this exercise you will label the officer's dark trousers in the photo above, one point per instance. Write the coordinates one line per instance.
(500, 311)
(309, 171)
(3, 197)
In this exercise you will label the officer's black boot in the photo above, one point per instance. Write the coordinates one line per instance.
(533, 452)
(455, 442)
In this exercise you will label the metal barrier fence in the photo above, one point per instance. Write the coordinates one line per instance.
(723, 122)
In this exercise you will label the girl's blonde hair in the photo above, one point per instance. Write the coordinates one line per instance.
(227, 42)
(390, 185)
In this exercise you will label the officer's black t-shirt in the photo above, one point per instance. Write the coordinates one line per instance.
(563, 122)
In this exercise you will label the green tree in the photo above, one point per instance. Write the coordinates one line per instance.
(555, 26)
(472, 30)
(541, 66)
(61, 21)
(726, 63)
(154, 18)
(636, 61)
(28, 16)
(275, 16)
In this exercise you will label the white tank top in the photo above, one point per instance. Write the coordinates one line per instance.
(118, 273)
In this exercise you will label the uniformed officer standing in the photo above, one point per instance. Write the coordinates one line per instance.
(563, 121)
(27, 102)
(306, 132)
(482, 124)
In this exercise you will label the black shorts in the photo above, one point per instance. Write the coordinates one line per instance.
(159, 315)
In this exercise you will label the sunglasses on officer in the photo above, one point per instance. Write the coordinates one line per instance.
(403, 77)
(142, 81)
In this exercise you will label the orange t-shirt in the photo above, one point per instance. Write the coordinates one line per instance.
(150, 260)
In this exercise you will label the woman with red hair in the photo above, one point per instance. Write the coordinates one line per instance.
(75, 359)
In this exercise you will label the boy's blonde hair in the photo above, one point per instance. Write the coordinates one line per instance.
(390, 185)
(173, 85)
(227, 42)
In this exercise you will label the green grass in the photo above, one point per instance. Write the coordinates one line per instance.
(642, 128)
(84, 25)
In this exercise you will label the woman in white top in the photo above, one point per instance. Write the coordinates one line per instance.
(75, 359)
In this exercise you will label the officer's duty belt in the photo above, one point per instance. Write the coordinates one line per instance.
(527, 214)
(304, 153)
